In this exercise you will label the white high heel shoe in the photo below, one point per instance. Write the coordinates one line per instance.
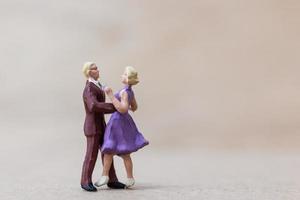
(102, 181)
(130, 182)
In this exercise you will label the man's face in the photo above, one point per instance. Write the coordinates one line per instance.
(94, 72)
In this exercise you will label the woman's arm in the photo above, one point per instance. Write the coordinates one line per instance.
(133, 105)
(121, 106)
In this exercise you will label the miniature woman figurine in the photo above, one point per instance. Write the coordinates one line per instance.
(121, 135)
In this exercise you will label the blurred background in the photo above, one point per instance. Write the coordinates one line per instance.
(215, 76)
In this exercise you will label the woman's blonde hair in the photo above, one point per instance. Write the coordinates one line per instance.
(132, 76)
(86, 68)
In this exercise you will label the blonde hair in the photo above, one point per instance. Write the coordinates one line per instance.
(86, 68)
(132, 75)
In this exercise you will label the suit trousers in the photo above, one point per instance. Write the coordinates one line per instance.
(92, 148)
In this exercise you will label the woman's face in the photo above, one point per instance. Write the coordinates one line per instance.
(94, 72)
(124, 77)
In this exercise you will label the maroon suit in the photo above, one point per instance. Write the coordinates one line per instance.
(94, 127)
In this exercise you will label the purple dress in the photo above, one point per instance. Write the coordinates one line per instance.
(121, 134)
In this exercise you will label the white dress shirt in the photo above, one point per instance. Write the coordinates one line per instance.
(95, 82)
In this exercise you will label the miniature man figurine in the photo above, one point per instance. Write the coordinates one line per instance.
(94, 127)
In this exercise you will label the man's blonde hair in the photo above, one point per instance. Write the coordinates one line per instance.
(132, 75)
(86, 68)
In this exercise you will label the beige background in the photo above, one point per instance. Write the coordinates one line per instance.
(213, 73)
(218, 75)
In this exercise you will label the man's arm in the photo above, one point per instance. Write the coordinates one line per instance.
(110, 108)
(95, 106)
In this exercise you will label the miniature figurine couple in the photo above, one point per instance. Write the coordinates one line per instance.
(120, 137)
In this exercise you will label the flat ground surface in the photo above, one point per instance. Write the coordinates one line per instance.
(160, 174)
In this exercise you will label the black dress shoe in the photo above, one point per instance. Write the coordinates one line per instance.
(116, 185)
(89, 187)
(92, 185)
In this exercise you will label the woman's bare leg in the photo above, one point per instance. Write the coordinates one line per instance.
(107, 160)
(128, 165)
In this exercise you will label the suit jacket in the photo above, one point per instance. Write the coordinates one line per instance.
(95, 108)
